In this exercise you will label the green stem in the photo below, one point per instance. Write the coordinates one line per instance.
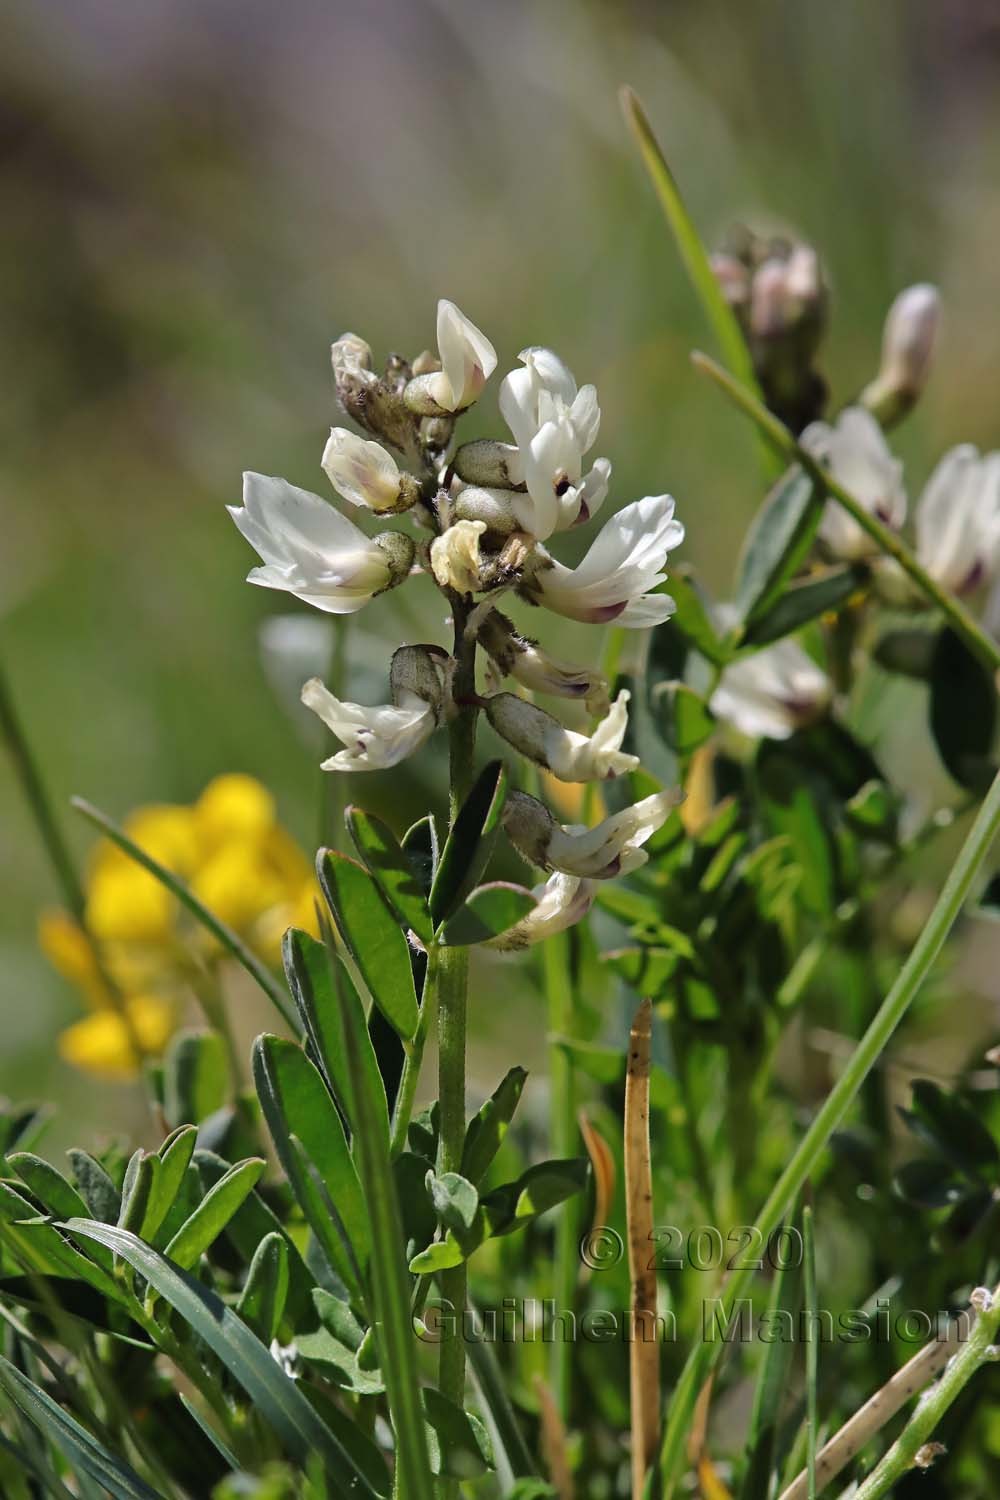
(780, 438)
(403, 1112)
(972, 1355)
(563, 1129)
(705, 1356)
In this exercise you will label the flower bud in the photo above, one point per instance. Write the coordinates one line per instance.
(398, 549)
(911, 328)
(493, 507)
(568, 755)
(488, 462)
(527, 663)
(529, 825)
(733, 278)
(418, 670)
(365, 474)
(455, 560)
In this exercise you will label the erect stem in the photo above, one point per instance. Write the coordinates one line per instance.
(452, 976)
(705, 1355)
(562, 1111)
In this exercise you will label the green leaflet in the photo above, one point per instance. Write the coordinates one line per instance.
(373, 938)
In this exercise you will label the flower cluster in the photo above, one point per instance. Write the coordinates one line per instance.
(136, 950)
(485, 514)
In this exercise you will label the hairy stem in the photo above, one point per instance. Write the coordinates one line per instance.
(705, 1356)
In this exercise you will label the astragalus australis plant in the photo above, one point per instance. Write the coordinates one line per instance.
(727, 1269)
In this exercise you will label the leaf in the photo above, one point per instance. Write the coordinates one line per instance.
(372, 937)
(908, 652)
(487, 1129)
(79, 1447)
(276, 1397)
(214, 1211)
(504, 1211)
(459, 1444)
(390, 1284)
(297, 1104)
(40, 1246)
(140, 1177)
(776, 544)
(930, 1183)
(265, 1290)
(320, 986)
(507, 1439)
(951, 1126)
(422, 850)
(691, 616)
(455, 1200)
(963, 711)
(223, 934)
(470, 842)
(49, 1186)
(487, 912)
(874, 812)
(802, 602)
(196, 1078)
(96, 1186)
(390, 867)
(770, 1388)
(685, 718)
(175, 1157)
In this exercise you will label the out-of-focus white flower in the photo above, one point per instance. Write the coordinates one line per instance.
(309, 549)
(613, 848)
(614, 580)
(523, 659)
(455, 559)
(374, 738)
(858, 456)
(911, 329)
(364, 473)
(554, 425)
(563, 900)
(468, 359)
(772, 692)
(958, 520)
(568, 755)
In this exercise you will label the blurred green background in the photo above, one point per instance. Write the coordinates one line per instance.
(199, 197)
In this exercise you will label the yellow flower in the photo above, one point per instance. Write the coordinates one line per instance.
(233, 807)
(100, 1042)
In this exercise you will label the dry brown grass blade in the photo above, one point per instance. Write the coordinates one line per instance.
(602, 1162)
(553, 1435)
(644, 1349)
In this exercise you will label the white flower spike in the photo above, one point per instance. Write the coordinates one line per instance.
(373, 738)
(568, 755)
(363, 473)
(772, 693)
(614, 580)
(308, 548)
(563, 900)
(613, 848)
(858, 456)
(958, 521)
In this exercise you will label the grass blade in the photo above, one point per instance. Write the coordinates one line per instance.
(812, 1349)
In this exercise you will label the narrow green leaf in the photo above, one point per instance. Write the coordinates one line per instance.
(262, 1300)
(692, 618)
(470, 842)
(719, 314)
(777, 543)
(102, 1196)
(459, 1444)
(802, 602)
(487, 912)
(513, 1458)
(390, 1284)
(276, 1397)
(454, 1200)
(388, 863)
(372, 937)
(422, 849)
(233, 944)
(487, 1129)
(812, 1350)
(296, 1103)
(40, 1247)
(214, 1212)
(57, 1196)
(175, 1157)
(81, 1450)
(316, 978)
(196, 1078)
(770, 1388)
(963, 711)
(504, 1211)
(685, 717)
(909, 652)
(140, 1177)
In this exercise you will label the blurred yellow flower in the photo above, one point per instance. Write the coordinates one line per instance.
(140, 948)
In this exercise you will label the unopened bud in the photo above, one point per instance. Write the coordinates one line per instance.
(490, 463)
(455, 559)
(418, 669)
(734, 279)
(911, 329)
(529, 825)
(399, 550)
(366, 475)
(493, 507)
(524, 660)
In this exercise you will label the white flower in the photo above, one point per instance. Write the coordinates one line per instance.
(857, 455)
(563, 900)
(958, 520)
(568, 755)
(308, 548)
(361, 471)
(519, 657)
(911, 328)
(613, 848)
(624, 563)
(468, 359)
(772, 692)
(554, 425)
(455, 559)
(374, 738)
